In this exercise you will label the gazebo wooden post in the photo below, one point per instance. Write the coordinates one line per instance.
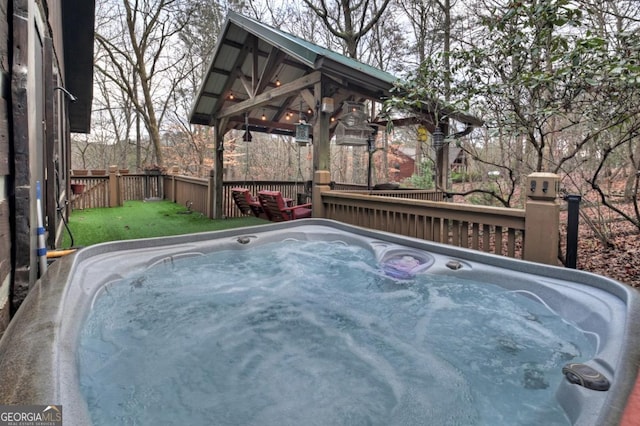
(321, 148)
(216, 202)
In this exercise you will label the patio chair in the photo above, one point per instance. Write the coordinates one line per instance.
(277, 208)
(247, 203)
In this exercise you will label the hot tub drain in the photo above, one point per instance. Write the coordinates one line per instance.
(583, 375)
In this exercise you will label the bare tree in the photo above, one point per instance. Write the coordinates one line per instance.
(191, 145)
(142, 44)
(113, 118)
(424, 23)
(349, 20)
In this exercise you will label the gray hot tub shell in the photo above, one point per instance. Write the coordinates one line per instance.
(38, 359)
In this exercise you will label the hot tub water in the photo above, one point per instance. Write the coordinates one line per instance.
(302, 332)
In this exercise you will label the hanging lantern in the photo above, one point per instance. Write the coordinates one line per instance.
(438, 139)
(247, 134)
(303, 136)
(352, 129)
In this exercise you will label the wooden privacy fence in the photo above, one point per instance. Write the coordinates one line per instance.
(140, 187)
(193, 193)
(89, 192)
(97, 191)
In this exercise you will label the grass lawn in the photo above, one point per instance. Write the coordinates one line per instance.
(140, 219)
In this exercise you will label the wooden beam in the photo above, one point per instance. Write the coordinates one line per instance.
(338, 99)
(409, 121)
(215, 70)
(224, 126)
(285, 108)
(257, 123)
(289, 62)
(229, 82)
(254, 65)
(308, 98)
(232, 43)
(264, 98)
(245, 83)
(268, 71)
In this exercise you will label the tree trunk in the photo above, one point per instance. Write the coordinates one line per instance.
(630, 184)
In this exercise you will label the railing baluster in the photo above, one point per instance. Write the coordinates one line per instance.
(464, 234)
(511, 242)
(437, 229)
(498, 240)
(486, 238)
(476, 236)
(456, 233)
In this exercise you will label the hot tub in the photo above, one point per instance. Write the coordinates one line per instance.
(590, 381)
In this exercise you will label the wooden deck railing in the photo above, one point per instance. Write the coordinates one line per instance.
(408, 194)
(490, 229)
(196, 192)
(413, 213)
(293, 190)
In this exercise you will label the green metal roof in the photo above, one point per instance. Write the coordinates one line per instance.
(305, 51)
(253, 53)
(260, 75)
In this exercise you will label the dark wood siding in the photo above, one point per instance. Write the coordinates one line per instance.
(5, 229)
(21, 205)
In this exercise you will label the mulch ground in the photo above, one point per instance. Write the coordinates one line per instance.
(619, 256)
(620, 259)
(608, 244)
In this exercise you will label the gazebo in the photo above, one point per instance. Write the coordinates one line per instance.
(262, 79)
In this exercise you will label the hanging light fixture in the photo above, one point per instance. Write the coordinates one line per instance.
(278, 82)
(438, 143)
(247, 134)
(303, 136)
(231, 97)
(438, 139)
(352, 128)
(264, 117)
(303, 133)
